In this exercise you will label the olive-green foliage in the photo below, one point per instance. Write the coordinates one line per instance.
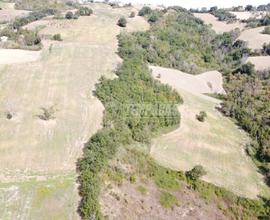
(57, 37)
(23, 37)
(145, 11)
(122, 22)
(196, 172)
(248, 102)
(137, 106)
(179, 40)
(233, 206)
(85, 11)
(33, 16)
(201, 116)
(224, 15)
(247, 68)
(167, 200)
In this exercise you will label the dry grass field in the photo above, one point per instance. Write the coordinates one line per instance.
(260, 62)
(254, 37)
(217, 144)
(218, 26)
(37, 168)
(18, 56)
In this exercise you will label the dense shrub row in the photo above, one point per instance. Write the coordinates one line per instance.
(255, 22)
(137, 107)
(224, 15)
(33, 16)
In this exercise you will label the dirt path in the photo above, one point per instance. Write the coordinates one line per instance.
(38, 158)
(217, 144)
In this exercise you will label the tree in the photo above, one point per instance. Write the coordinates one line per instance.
(145, 11)
(153, 18)
(247, 68)
(196, 173)
(122, 22)
(213, 8)
(69, 15)
(201, 116)
(47, 113)
(249, 8)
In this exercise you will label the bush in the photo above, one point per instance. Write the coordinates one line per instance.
(30, 38)
(167, 200)
(57, 37)
(85, 11)
(145, 11)
(153, 18)
(201, 116)
(122, 22)
(248, 68)
(132, 14)
(196, 173)
(69, 15)
(266, 30)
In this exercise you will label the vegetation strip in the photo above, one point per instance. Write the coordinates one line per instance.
(131, 99)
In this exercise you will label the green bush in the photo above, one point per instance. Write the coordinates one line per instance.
(122, 22)
(167, 200)
(85, 11)
(201, 116)
(69, 15)
(196, 173)
(57, 37)
(145, 11)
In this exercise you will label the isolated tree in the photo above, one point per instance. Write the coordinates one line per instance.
(214, 8)
(249, 8)
(196, 173)
(69, 15)
(201, 116)
(145, 11)
(122, 22)
(57, 37)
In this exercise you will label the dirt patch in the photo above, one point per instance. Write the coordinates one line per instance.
(209, 82)
(254, 37)
(11, 56)
(127, 202)
(137, 23)
(260, 62)
(217, 144)
(244, 15)
(218, 26)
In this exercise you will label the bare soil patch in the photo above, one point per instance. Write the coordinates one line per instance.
(10, 56)
(218, 26)
(260, 62)
(254, 37)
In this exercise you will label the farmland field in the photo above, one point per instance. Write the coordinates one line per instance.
(38, 158)
(217, 144)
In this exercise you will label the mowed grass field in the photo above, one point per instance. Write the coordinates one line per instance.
(38, 158)
(217, 144)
